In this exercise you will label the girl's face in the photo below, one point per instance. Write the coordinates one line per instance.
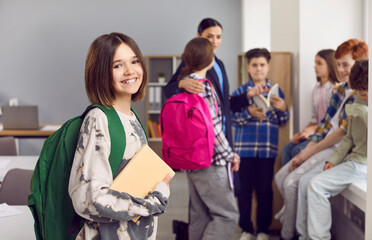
(344, 65)
(321, 67)
(258, 68)
(127, 71)
(214, 35)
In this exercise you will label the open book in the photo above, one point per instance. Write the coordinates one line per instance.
(264, 102)
(141, 175)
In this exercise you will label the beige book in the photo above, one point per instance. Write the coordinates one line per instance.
(141, 175)
(264, 103)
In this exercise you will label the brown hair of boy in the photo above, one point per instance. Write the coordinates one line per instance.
(256, 53)
(359, 75)
(99, 65)
(329, 56)
(197, 55)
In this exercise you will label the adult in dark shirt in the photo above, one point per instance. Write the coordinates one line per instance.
(211, 29)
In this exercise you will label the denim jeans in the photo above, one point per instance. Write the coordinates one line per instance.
(290, 150)
(325, 185)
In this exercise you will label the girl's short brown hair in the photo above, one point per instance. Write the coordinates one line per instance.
(99, 64)
(357, 48)
(197, 55)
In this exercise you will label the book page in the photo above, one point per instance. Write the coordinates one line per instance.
(263, 102)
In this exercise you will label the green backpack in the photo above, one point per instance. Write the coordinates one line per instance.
(49, 201)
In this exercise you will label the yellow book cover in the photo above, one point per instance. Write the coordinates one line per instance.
(151, 130)
(141, 175)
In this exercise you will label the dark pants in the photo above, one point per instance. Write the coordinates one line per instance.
(256, 174)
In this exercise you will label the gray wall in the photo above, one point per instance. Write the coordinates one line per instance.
(43, 45)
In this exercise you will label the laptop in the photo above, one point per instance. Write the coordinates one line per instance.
(20, 117)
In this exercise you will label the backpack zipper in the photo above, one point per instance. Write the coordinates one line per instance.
(190, 112)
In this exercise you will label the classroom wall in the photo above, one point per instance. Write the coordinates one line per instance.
(305, 27)
(323, 24)
(44, 43)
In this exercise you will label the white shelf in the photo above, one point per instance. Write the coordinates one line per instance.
(154, 139)
(156, 84)
(154, 112)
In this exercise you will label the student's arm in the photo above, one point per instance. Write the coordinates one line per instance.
(245, 99)
(222, 150)
(91, 177)
(313, 148)
(242, 116)
(172, 86)
(188, 84)
(353, 111)
(308, 130)
(280, 108)
(341, 151)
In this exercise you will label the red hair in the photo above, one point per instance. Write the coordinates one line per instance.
(358, 49)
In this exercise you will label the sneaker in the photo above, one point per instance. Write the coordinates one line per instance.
(246, 236)
(263, 236)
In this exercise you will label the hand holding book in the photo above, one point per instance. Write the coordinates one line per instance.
(257, 90)
(278, 103)
(272, 99)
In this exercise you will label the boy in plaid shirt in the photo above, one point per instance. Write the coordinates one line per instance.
(256, 142)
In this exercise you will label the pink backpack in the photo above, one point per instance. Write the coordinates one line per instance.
(187, 131)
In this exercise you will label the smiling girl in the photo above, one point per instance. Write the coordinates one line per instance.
(114, 77)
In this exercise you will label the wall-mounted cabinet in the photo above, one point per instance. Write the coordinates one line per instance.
(160, 69)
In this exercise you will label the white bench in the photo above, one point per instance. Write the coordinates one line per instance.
(356, 193)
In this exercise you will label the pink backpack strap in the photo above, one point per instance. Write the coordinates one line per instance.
(207, 80)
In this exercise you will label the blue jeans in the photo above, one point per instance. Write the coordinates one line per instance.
(291, 150)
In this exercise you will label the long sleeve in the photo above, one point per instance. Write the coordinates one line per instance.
(354, 144)
(172, 86)
(222, 150)
(91, 176)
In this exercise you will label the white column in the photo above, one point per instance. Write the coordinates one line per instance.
(368, 222)
(256, 27)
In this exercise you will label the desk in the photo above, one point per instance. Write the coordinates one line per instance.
(45, 131)
(18, 227)
(23, 162)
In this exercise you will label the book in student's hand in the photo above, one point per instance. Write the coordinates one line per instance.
(141, 175)
(264, 102)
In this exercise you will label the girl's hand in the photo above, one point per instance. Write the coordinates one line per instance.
(191, 85)
(235, 163)
(328, 165)
(278, 103)
(167, 178)
(296, 139)
(257, 112)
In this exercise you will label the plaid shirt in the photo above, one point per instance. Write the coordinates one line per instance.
(222, 151)
(338, 95)
(255, 138)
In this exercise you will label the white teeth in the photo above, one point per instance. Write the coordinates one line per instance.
(130, 81)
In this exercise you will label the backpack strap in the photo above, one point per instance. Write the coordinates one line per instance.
(207, 80)
(117, 135)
